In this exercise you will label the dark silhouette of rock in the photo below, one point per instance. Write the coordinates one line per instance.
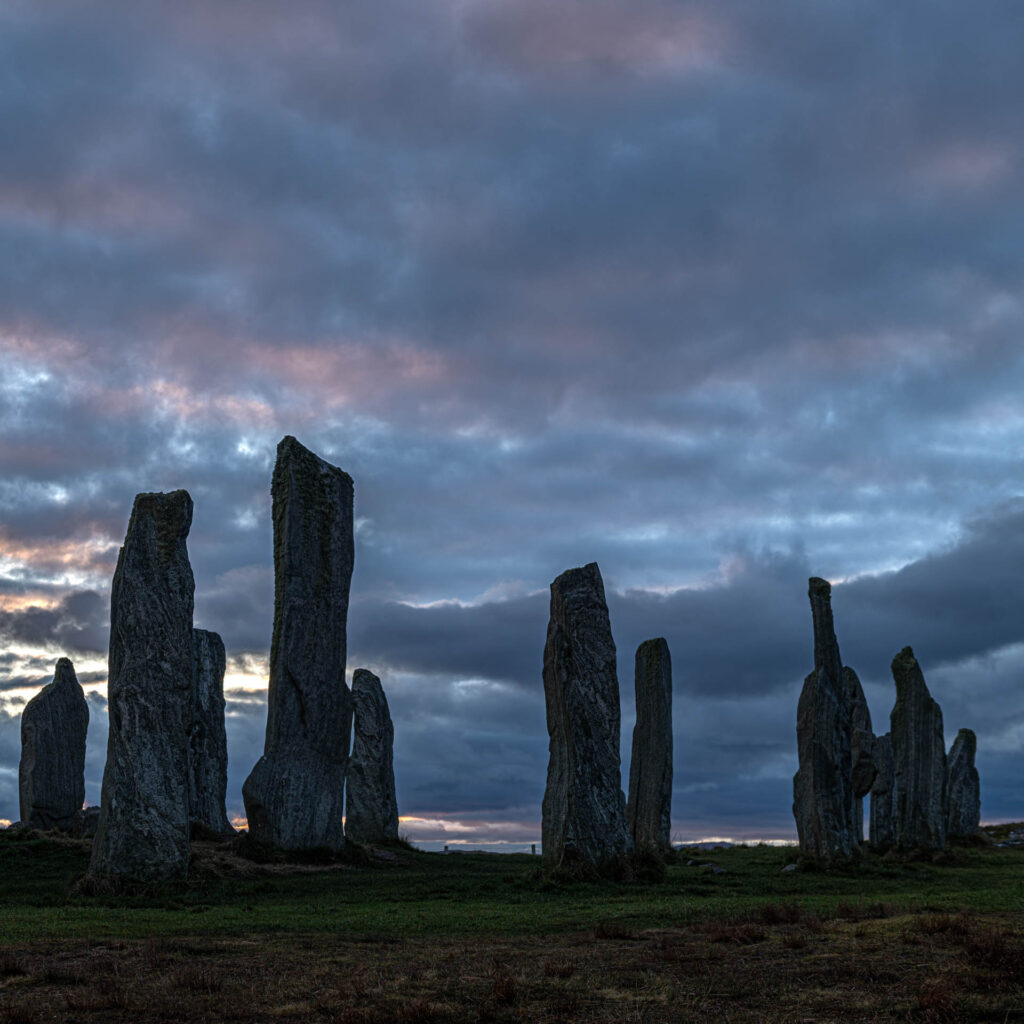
(823, 797)
(143, 830)
(919, 760)
(371, 810)
(649, 809)
(51, 775)
(881, 833)
(862, 749)
(584, 812)
(963, 787)
(294, 795)
(208, 742)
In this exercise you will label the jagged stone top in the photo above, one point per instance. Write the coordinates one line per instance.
(300, 459)
(171, 514)
(906, 671)
(826, 647)
(580, 586)
(64, 674)
(966, 742)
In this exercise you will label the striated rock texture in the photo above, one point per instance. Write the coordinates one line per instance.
(862, 749)
(51, 775)
(143, 830)
(963, 787)
(823, 797)
(649, 809)
(293, 797)
(208, 743)
(371, 810)
(584, 813)
(919, 760)
(881, 833)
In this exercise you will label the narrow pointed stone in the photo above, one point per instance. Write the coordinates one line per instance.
(822, 791)
(881, 833)
(208, 743)
(294, 795)
(963, 788)
(584, 812)
(649, 809)
(862, 749)
(371, 809)
(143, 830)
(919, 760)
(51, 775)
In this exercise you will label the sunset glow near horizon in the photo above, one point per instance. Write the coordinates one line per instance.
(721, 296)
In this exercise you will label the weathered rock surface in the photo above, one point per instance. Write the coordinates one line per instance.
(649, 808)
(294, 795)
(143, 831)
(51, 775)
(584, 812)
(208, 742)
(371, 809)
(862, 749)
(963, 787)
(919, 760)
(823, 797)
(881, 833)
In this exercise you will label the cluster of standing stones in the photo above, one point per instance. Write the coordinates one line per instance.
(920, 796)
(166, 768)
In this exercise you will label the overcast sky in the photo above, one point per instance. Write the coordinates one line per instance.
(719, 295)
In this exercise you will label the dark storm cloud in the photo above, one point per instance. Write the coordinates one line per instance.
(78, 624)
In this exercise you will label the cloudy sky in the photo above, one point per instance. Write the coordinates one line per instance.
(720, 295)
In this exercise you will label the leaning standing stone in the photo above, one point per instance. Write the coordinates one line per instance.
(862, 749)
(649, 810)
(584, 813)
(143, 831)
(371, 810)
(822, 790)
(963, 787)
(51, 775)
(881, 833)
(919, 760)
(208, 743)
(294, 795)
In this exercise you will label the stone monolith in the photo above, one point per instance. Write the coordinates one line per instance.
(880, 834)
(963, 787)
(371, 809)
(584, 812)
(208, 743)
(649, 808)
(862, 749)
(294, 795)
(919, 760)
(822, 790)
(51, 775)
(143, 830)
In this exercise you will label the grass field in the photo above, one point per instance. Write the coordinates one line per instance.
(417, 937)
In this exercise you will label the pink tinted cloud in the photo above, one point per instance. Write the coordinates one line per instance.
(965, 166)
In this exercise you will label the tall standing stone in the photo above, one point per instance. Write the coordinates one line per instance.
(584, 812)
(143, 830)
(208, 743)
(862, 749)
(51, 775)
(649, 809)
(294, 794)
(822, 790)
(963, 787)
(371, 809)
(919, 760)
(881, 833)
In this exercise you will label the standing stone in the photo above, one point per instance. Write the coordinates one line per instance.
(963, 787)
(919, 760)
(51, 775)
(371, 810)
(862, 749)
(208, 743)
(584, 812)
(822, 790)
(294, 795)
(649, 810)
(143, 831)
(881, 795)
